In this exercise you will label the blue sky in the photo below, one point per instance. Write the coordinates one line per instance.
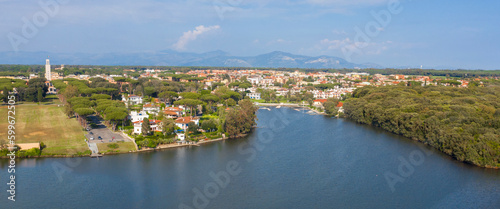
(459, 34)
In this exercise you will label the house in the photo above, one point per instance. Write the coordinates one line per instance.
(181, 136)
(340, 105)
(399, 77)
(254, 95)
(51, 89)
(173, 112)
(319, 102)
(151, 109)
(138, 116)
(154, 124)
(182, 122)
(134, 100)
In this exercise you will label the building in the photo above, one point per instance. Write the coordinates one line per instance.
(51, 89)
(138, 116)
(340, 105)
(155, 125)
(134, 100)
(47, 70)
(172, 112)
(319, 102)
(183, 122)
(151, 108)
(254, 95)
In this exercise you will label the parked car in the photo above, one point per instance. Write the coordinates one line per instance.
(91, 138)
(100, 138)
(91, 133)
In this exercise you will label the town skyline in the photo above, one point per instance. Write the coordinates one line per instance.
(388, 33)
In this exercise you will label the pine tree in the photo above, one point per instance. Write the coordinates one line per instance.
(146, 128)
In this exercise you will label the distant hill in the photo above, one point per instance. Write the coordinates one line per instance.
(219, 58)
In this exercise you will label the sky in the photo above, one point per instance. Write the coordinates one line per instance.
(391, 33)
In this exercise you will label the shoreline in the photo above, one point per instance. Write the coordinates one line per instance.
(160, 147)
(288, 105)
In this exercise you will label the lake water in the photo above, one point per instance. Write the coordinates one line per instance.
(292, 160)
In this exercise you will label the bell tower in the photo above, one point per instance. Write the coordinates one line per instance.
(47, 70)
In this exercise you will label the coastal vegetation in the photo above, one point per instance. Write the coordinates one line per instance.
(240, 120)
(461, 122)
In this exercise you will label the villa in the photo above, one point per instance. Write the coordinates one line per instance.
(154, 124)
(134, 100)
(137, 116)
(151, 109)
(254, 95)
(182, 122)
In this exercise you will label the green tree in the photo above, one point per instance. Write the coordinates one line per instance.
(191, 103)
(209, 125)
(192, 128)
(168, 126)
(230, 102)
(5, 95)
(168, 96)
(190, 95)
(146, 127)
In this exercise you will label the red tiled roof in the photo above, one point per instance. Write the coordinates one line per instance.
(340, 104)
(320, 100)
(174, 109)
(185, 120)
(170, 113)
(150, 121)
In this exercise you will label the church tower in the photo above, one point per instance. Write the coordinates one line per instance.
(47, 70)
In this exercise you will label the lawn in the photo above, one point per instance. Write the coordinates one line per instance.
(45, 123)
(122, 147)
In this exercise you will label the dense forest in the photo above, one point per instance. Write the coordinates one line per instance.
(461, 122)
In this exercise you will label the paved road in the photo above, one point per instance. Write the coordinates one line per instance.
(93, 147)
(106, 134)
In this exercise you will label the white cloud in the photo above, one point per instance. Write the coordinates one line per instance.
(192, 35)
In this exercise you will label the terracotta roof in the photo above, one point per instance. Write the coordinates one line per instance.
(175, 109)
(150, 121)
(185, 120)
(320, 100)
(170, 113)
(340, 104)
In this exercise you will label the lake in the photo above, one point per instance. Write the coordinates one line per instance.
(291, 160)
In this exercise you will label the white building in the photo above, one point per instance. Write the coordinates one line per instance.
(138, 116)
(183, 122)
(254, 80)
(151, 109)
(155, 125)
(47, 70)
(254, 95)
(134, 100)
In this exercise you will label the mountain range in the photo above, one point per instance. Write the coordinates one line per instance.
(276, 59)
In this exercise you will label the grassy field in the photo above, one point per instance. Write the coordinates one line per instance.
(45, 123)
(122, 147)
